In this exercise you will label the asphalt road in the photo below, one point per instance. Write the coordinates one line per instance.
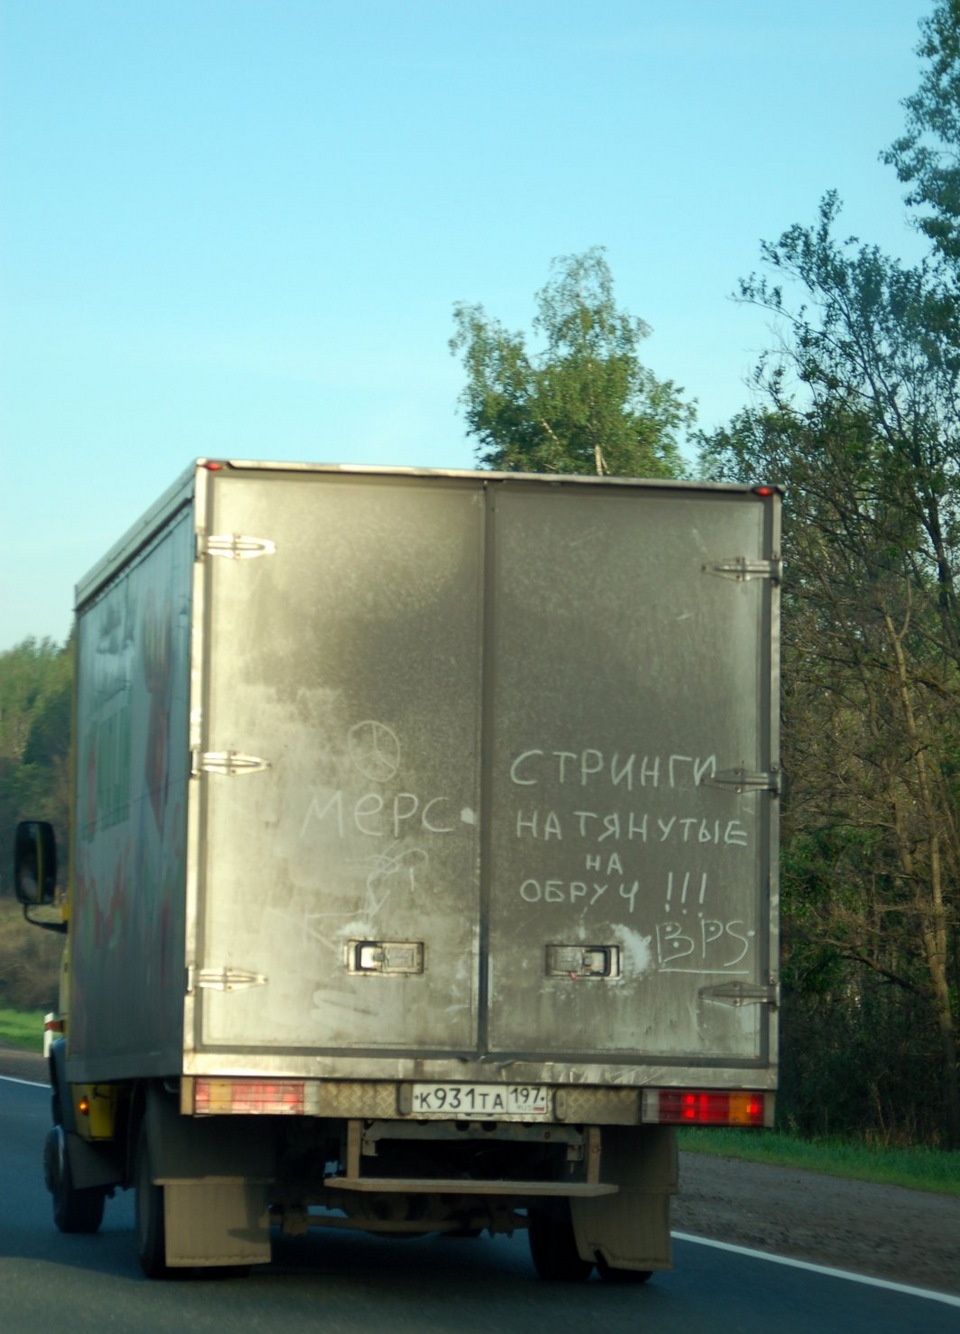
(354, 1283)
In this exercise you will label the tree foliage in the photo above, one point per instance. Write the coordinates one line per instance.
(858, 417)
(35, 698)
(927, 156)
(585, 403)
(859, 422)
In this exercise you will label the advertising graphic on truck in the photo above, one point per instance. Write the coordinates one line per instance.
(422, 860)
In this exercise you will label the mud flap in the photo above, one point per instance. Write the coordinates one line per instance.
(92, 1164)
(215, 1176)
(630, 1230)
(216, 1224)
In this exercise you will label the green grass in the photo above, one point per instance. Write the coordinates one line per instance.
(22, 1028)
(915, 1168)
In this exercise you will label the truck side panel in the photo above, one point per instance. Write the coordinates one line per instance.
(127, 958)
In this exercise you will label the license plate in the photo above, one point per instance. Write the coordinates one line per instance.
(484, 1100)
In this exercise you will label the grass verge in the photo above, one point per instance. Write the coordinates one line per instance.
(22, 1028)
(916, 1168)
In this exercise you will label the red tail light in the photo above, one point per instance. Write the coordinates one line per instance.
(692, 1107)
(248, 1097)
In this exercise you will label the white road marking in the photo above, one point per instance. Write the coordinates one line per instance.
(945, 1297)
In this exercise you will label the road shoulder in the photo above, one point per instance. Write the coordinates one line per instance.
(906, 1236)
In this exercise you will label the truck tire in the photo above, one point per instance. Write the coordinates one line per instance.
(553, 1247)
(73, 1210)
(151, 1233)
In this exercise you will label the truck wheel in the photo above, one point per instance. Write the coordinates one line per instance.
(553, 1247)
(73, 1210)
(151, 1233)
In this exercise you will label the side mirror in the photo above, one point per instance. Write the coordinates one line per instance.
(34, 863)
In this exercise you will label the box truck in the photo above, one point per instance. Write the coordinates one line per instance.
(422, 867)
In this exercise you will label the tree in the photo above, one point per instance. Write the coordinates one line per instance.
(862, 428)
(35, 691)
(927, 156)
(585, 403)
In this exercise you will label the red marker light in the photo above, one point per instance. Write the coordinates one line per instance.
(764, 491)
(704, 1107)
(213, 466)
(248, 1097)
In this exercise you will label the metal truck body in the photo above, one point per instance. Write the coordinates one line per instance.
(423, 856)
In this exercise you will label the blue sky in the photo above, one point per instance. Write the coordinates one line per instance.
(237, 228)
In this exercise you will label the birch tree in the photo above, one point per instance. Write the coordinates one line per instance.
(584, 402)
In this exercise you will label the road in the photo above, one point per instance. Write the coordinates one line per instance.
(354, 1283)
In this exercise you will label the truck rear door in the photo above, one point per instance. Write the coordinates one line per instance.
(341, 739)
(632, 728)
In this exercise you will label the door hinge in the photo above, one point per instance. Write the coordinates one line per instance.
(234, 546)
(746, 780)
(228, 762)
(222, 979)
(741, 569)
(741, 993)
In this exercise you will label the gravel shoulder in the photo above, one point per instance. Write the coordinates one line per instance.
(905, 1236)
(18, 1064)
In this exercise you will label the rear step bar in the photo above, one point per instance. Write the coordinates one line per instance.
(456, 1186)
